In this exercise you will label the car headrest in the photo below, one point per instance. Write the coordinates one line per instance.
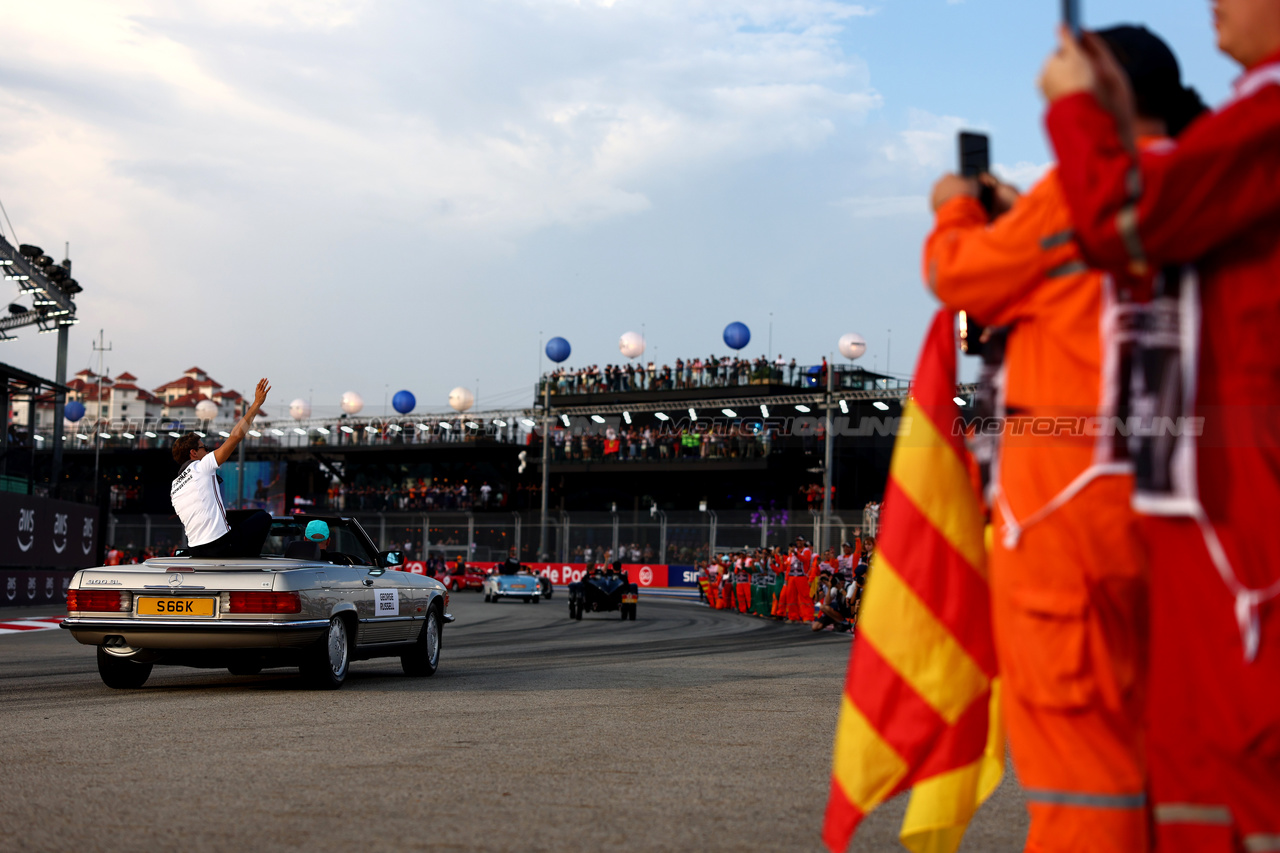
(302, 549)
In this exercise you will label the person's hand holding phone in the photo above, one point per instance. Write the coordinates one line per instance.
(1003, 196)
(1068, 70)
(950, 186)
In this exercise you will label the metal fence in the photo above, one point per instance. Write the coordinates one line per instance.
(571, 537)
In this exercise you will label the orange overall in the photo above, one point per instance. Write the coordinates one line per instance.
(1067, 573)
(797, 605)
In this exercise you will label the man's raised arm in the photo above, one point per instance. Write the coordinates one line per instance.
(223, 453)
(1170, 204)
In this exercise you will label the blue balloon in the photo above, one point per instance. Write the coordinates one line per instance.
(737, 335)
(74, 411)
(558, 349)
(403, 402)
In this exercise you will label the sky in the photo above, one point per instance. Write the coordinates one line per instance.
(375, 195)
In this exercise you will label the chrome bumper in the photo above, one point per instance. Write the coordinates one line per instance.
(105, 623)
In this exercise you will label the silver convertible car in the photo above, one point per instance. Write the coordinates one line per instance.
(296, 605)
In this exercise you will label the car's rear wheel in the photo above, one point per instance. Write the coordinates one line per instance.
(329, 659)
(633, 612)
(424, 660)
(121, 673)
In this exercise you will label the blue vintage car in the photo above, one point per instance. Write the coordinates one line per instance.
(521, 584)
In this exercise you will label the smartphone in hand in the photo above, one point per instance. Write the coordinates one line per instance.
(1071, 16)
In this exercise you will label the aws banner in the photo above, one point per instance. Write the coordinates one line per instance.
(41, 532)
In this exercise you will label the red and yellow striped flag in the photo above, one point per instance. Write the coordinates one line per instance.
(920, 703)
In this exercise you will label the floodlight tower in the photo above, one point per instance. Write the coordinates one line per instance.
(53, 309)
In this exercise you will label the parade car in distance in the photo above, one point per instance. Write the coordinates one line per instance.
(602, 591)
(295, 605)
(457, 579)
(522, 584)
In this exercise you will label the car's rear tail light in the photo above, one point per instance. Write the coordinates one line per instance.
(98, 601)
(264, 602)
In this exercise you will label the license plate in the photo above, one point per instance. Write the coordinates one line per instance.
(518, 586)
(175, 606)
(630, 599)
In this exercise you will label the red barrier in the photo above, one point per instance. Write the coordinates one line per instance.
(645, 575)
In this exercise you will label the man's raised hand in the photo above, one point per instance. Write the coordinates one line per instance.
(260, 395)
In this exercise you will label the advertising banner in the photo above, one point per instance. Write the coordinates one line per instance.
(682, 576)
(32, 588)
(645, 575)
(41, 532)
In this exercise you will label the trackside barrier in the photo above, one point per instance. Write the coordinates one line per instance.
(644, 575)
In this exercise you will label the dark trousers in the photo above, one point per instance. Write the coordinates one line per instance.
(244, 539)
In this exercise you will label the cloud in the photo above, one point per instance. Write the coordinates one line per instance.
(1021, 174)
(928, 145)
(221, 160)
(871, 207)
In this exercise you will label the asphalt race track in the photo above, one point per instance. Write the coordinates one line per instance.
(688, 729)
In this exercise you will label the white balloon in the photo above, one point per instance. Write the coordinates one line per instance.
(352, 403)
(300, 409)
(853, 345)
(206, 410)
(460, 399)
(631, 345)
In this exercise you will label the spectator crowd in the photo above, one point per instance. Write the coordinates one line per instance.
(792, 584)
(708, 372)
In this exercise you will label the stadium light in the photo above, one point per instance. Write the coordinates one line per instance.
(844, 407)
(348, 430)
(393, 427)
(473, 425)
(528, 422)
(959, 401)
(693, 416)
(443, 425)
(300, 430)
(199, 433)
(662, 416)
(255, 433)
(424, 427)
(881, 405)
(764, 410)
(104, 435)
(499, 422)
(597, 419)
(224, 433)
(729, 413)
(626, 416)
(800, 407)
(322, 430)
(173, 434)
(41, 437)
(565, 418)
(275, 431)
(128, 435)
(370, 428)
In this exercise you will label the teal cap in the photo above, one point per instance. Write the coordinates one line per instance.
(317, 531)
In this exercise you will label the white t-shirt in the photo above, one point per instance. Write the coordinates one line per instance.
(197, 497)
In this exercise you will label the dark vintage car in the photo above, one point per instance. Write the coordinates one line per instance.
(602, 591)
(294, 605)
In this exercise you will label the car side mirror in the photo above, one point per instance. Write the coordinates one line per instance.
(390, 559)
